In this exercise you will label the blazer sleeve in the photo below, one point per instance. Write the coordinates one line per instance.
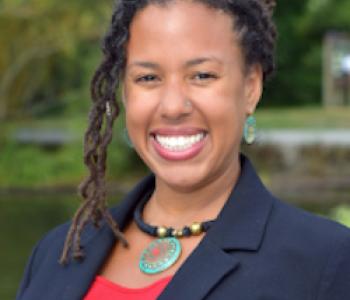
(28, 272)
(52, 239)
(335, 280)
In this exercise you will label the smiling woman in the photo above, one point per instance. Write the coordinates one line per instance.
(202, 225)
(205, 70)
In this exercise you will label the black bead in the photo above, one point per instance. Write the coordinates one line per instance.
(186, 231)
(169, 232)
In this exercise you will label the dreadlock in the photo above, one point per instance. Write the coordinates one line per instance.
(257, 33)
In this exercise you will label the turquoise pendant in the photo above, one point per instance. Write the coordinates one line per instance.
(160, 255)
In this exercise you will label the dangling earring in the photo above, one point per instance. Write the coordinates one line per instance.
(249, 133)
(127, 138)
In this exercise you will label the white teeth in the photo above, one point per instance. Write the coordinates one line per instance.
(179, 143)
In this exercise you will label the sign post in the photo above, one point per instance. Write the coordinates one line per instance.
(336, 69)
(345, 70)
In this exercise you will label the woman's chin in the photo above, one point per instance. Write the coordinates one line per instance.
(180, 180)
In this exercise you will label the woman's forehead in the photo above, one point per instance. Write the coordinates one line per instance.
(179, 14)
(188, 28)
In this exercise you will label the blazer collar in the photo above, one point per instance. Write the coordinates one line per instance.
(74, 280)
(242, 221)
(239, 226)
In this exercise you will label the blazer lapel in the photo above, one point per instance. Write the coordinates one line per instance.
(203, 269)
(239, 227)
(242, 222)
(74, 280)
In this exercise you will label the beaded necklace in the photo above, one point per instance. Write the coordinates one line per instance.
(163, 252)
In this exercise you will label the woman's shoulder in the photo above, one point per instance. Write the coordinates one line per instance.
(314, 246)
(56, 234)
(44, 259)
(49, 245)
(300, 227)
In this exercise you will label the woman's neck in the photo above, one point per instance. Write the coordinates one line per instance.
(176, 208)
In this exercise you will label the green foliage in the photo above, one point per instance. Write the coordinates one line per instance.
(302, 26)
(32, 165)
(341, 214)
(324, 15)
(303, 118)
(290, 51)
(48, 49)
(37, 167)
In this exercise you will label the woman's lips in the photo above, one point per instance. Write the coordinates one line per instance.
(179, 144)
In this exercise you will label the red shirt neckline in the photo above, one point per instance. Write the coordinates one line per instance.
(124, 289)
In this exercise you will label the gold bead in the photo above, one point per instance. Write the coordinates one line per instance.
(196, 228)
(180, 233)
(161, 231)
(177, 233)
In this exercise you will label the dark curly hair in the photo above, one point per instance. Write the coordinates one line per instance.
(257, 33)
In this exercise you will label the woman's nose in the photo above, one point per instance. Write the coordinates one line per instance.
(175, 103)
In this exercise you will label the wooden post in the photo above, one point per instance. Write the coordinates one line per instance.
(336, 47)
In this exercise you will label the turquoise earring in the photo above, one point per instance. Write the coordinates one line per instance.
(249, 133)
(127, 138)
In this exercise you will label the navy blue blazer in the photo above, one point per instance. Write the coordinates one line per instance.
(258, 249)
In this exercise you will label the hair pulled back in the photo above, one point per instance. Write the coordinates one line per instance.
(257, 34)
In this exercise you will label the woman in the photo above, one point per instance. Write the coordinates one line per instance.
(203, 226)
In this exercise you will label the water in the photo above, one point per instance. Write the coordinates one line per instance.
(24, 219)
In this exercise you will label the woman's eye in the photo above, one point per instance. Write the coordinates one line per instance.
(204, 76)
(146, 78)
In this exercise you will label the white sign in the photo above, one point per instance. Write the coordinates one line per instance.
(345, 64)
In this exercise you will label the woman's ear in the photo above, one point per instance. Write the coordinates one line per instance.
(253, 88)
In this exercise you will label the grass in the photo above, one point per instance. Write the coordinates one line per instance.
(304, 118)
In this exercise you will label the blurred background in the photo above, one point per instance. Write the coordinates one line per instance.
(48, 52)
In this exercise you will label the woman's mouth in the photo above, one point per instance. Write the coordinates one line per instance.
(178, 146)
(179, 143)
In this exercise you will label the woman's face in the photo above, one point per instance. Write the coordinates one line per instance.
(186, 92)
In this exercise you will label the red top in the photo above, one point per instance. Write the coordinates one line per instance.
(104, 289)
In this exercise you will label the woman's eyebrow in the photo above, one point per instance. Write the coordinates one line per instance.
(200, 60)
(189, 63)
(144, 64)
